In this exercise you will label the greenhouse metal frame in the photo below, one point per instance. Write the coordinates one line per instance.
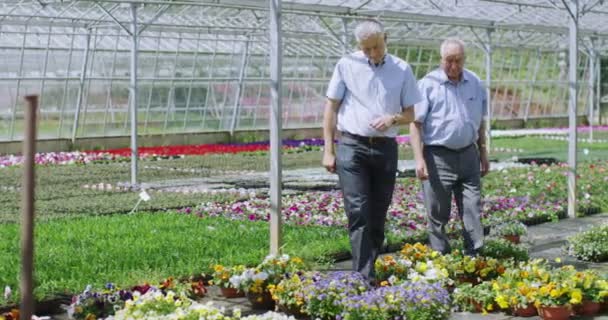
(203, 66)
(128, 68)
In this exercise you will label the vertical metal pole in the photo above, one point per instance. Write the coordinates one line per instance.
(109, 107)
(572, 101)
(598, 92)
(239, 88)
(64, 98)
(85, 97)
(591, 102)
(534, 77)
(27, 210)
(14, 113)
(154, 77)
(83, 72)
(275, 125)
(44, 69)
(171, 94)
(194, 74)
(344, 36)
(488, 50)
(134, 98)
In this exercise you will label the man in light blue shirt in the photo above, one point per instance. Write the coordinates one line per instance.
(448, 140)
(370, 93)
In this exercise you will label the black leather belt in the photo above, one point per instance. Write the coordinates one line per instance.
(366, 139)
(448, 149)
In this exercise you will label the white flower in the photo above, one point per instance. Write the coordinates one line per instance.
(260, 276)
(7, 293)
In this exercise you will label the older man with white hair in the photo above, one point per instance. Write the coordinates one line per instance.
(448, 140)
(370, 93)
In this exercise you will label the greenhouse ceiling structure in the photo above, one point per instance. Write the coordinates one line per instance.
(203, 66)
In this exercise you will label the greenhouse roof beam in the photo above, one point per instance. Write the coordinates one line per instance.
(113, 18)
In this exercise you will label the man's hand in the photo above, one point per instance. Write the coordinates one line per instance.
(421, 171)
(485, 164)
(382, 123)
(329, 162)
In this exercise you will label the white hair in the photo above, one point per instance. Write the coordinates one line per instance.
(450, 42)
(367, 29)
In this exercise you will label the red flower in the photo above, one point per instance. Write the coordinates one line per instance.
(142, 289)
(198, 288)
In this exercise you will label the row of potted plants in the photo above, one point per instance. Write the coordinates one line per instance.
(157, 153)
(531, 288)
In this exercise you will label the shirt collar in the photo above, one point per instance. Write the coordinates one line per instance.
(381, 63)
(444, 77)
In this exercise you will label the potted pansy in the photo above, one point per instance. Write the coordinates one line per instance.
(557, 293)
(221, 278)
(511, 230)
(516, 295)
(256, 281)
(430, 271)
(156, 305)
(479, 298)
(594, 290)
(323, 295)
(409, 300)
(419, 252)
(391, 266)
(289, 293)
(464, 268)
(92, 304)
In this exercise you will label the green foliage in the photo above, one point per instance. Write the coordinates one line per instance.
(132, 249)
(503, 249)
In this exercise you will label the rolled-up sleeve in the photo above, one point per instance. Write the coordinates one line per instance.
(410, 95)
(337, 87)
(421, 109)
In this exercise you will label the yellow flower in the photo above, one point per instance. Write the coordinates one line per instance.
(502, 301)
(495, 286)
(422, 267)
(576, 296)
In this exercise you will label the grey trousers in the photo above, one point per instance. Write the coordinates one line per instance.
(453, 172)
(367, 172)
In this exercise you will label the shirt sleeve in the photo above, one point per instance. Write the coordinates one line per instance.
(421, 109)
(337, 87)
(484, 99)
(409, 92)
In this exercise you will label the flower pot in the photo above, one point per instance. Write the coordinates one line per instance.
(528, 311)
(512, 238)
(231, 293)
(467, 279)
(292, 311)
(604, 306)
(587, 308)
(477, 306)
(261, 301)
(554, 312)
